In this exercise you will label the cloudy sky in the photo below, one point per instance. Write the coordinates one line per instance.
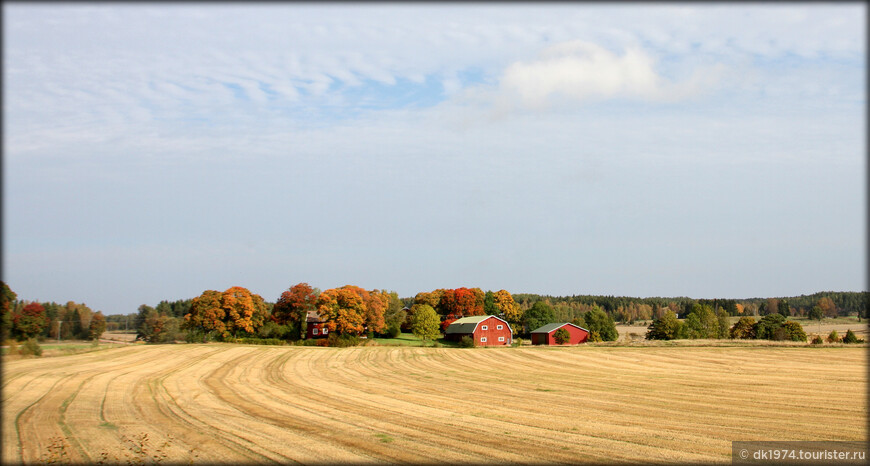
(153, 151)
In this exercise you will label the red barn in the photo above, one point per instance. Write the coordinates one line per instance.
(484, 330)
(315, 327)
(544, 335)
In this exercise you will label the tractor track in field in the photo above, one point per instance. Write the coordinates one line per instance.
(259, 404)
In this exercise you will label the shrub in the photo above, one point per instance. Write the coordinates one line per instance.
(851, 338)
(30, 348)
(394, 330)
(466, 342)
(663, 328)
(744, 329)
(817, 340)
(833, 337)
(561, 336)
(794, 331)
(594, 336)
(767, 328)
(342, 341)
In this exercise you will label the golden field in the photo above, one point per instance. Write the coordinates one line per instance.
(216, 403)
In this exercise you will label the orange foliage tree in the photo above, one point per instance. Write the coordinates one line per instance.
(342, 310)
(293, 306)
(511, 310)
(462, 302)
(231, 313)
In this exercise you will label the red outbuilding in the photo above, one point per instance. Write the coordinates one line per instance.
(484, 330)
(544, 335)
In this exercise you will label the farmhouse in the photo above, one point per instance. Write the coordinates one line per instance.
(544, 335)
(484, 330)
(315, 327)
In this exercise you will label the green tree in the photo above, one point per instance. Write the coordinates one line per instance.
(833, 337)
(425, 324)
(702, 322)
(782, 308)
(767, 328)
(539, 315)
(97, 326)
(489, 306)
(598, 321)
(851, 338)
(394, 316)
(724, 322)
(744, 329)
(665, 327)
(561, 336)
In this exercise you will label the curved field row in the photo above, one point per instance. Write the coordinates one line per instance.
(222, 403)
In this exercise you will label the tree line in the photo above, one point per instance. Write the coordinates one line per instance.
(23, 320)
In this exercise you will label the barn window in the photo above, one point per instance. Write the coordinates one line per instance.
(483, 339)
(314, 332)
(325, 331)
(484, 327)
(499, 327)
(500, 338)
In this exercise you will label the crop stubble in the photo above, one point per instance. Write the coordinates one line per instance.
(232, 403)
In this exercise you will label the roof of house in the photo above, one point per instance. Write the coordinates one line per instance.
(550, 327)
(313, 317)
(468, 324)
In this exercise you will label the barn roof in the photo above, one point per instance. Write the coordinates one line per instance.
(467, 324)
(550, 327)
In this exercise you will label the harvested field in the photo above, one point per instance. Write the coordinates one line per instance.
(232, 403)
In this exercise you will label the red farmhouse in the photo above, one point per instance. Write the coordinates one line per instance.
(544, 335)
(315, 327)
(484, 330)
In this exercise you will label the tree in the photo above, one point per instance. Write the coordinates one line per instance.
(506, 305)
(665, 327)
(851, 338)
(234, 312)
(97, 326)
(724, 322)
(425, 323)
(598, 321)
(394, 316)
(828, 307)
(767, 327)
(702, 322)
(782, 308)
(292, 308)
(462, 302)
(793, 331)
(489, 307)
(561, 336)
(342, 311)
(539, 315)
(744, 329)
(30, 322)
(7, 297)
(833, 337)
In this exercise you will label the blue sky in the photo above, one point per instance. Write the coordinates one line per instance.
(707, 150)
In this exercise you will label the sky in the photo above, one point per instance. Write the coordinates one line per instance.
(155, 151)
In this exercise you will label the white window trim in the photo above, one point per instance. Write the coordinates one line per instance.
(314, 332)
(325, 330)
(483, 339)
(484, 327)
(499, 327)
(500, 338)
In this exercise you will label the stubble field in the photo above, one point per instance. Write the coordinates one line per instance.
(253, 404)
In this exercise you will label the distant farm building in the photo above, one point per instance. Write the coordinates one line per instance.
(544, 335)
(484, 330)
(315, 326)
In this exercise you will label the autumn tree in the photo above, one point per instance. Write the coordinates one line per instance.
(828, 307)
(232, 313)
(7, 297)
(30, 322)
(744, 329)
(292, 308)
(342, 310)
(666, 327)
(511, 310)
(425, 323)
(97, 326)
(462, 302)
